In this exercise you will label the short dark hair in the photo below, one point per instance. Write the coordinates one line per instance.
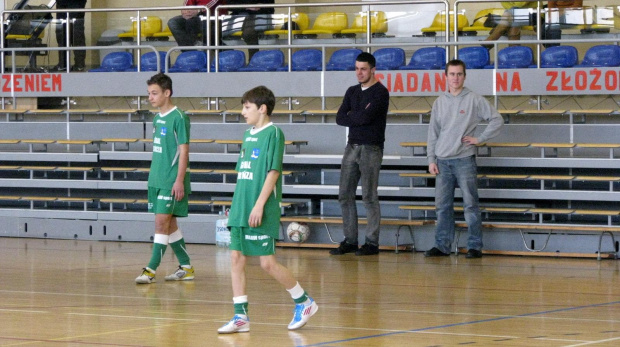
(260, 95)
(162, 80)
(456, 62)
(366, 57)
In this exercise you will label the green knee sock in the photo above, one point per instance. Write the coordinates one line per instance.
(158, 253)
(180, 251)
(177, 243)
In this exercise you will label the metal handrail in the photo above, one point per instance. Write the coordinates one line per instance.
(89, 10)
(216, 18)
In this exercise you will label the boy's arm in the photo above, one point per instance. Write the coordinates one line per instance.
(178, 189)
(256, 216)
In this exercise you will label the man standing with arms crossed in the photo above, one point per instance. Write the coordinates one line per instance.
(451, 156)
(364, 111)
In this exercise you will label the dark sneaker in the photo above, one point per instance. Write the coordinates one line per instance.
(473, 253)
(435, 252)
(367, 249)
(343, 249)
(78, 68)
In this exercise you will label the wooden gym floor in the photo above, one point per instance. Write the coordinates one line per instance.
(82, 293)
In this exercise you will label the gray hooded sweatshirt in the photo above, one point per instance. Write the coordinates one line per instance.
(453, 117)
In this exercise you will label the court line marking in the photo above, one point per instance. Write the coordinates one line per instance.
(27, 341)
(134, 317)
(389, 332)
(472, 322)
(324, 327)
(594, 342)
(69, 339)
(499, 315)
(433, 333)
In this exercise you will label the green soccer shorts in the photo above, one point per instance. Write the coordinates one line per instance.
(161, 201)
(251, 243)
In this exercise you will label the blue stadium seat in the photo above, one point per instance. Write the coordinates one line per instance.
(601, 56)
(265, 60)
(305, 60)
(231, 60)
(474, 57)
(427, 58)
(514, 57)
(115, 61)
(389, 58)
(189, 61)
(148, 62)
(343, 60)
(558, 56)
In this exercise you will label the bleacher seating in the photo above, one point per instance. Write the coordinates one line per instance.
(115, 62)
(305, 60)
(474, 57)
(601, 56)
(212, 183)
(389, 58)
(301, 20)
(514, 57)
(427, 58)
(439, 23)
(480, 18)
(329, 23)
(264, 60)
(229, 61)
(378, 24)
(558, 57)
(148, 27)
(343, 59)
(148, 62)
(542, 147)
(163, 35)
(189, 61)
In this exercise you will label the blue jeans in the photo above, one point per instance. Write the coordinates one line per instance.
(360, 162)
(462, 171)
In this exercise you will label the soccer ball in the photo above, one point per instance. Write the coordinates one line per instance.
(298, 232)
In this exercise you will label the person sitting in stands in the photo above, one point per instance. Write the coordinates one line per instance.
(249, 31)
(507, 25)
(187, 28)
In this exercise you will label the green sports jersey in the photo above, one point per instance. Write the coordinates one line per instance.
(262, 151)
(169, 131)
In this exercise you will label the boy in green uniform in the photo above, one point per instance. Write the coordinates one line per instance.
(254, 217)
(169, 185)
